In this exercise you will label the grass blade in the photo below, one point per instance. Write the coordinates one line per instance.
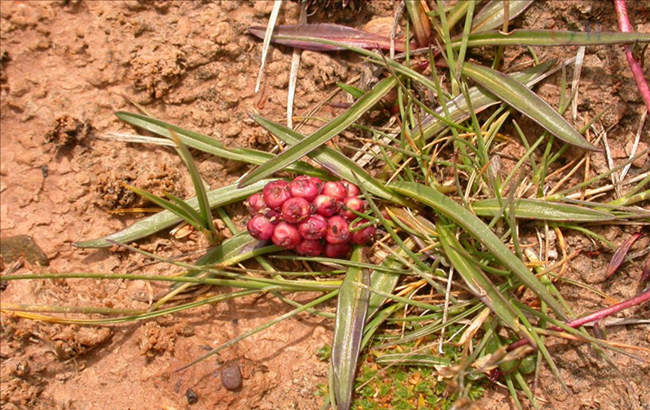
(332, 32)
(147, 226)
(527, 102)
(337, 163)
(348, 331)
(193, 218)
(322, 135)
(550, 38)
(478, 282)
(470, 223)
(211, 146)
(267, 41)
(492, 14)
(542, 210)
(385, 281)
(201, 196)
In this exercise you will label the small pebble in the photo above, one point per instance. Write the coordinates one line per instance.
(191, 396)
(231, 376)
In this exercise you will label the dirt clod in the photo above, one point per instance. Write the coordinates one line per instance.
(67, 131)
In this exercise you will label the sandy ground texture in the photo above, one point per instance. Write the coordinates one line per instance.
(67, 66)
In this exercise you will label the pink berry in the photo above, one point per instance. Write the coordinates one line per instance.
(326, 205)
(275, 193)
(334, 189)
(314, 227)
(351, 189)
(255, 204)
(337, 230)
(285, 235)
(295, 210)
(305, 187)
(337, 251)
(310, 247)
(356, 204)
(260, 227)
(363, 236)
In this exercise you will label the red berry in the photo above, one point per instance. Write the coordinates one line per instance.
(326, 205)
(310, 247)
(275, 193)
(314, 227)
(337, 251)
(351, 189)
(337, 230)
(255, 204)
(305, 187)
(295, 210)
(285, 235)
(260, 227)
(363, 236)
(355, 203)
(335, 189)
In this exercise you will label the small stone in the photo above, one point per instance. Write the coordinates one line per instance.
(641, 147)
(231, 376)
(191, 396)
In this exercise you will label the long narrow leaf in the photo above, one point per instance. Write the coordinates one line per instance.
(335, 162)
(527, 102)
(478, 282)
(385, 281)
(542, 210)
(211, 146)
(323, 134)
(492, 14)
(470, 223)
(550, 38)
(348, 331)
(333, 32)
(150, 225)
(199, 188)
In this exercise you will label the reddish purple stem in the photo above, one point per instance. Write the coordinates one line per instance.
(625, 26)
(601, 314)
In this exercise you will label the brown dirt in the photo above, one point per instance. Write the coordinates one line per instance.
(66, 66)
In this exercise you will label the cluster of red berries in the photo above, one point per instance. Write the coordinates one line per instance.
(309, 216)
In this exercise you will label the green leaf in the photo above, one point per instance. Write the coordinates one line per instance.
(192, 218)
(551, 38)
(348, 331)
(492, 14)
(150, 225)
(385, 281)
(542, 210)
(353, 91)
(473, 225)
(527, 102)
(202, 197)
(459, 110)
(322, 135)
(335, 162)
(211, 146)
(478, 282)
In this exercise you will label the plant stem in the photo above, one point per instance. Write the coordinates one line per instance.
(625, 26)
(598, 315)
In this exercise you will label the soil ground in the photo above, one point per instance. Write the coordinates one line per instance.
(67, 66)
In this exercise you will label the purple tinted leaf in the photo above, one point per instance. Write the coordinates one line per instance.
(619, 255)
(645, 274)
(325, 31)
